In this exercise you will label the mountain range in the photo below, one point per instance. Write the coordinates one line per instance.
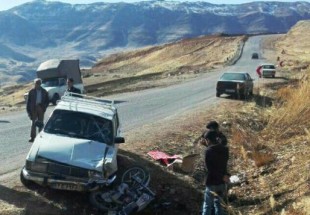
(40, 30)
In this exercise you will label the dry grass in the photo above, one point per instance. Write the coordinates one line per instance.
(276, 158)
(182, 57)
(292, 118)
(271, 145)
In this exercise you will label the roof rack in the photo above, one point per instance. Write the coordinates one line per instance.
(82, 98)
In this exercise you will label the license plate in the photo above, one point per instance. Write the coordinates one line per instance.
(229, 90)
(64, 186)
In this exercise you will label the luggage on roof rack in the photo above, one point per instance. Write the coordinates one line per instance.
(81, 98)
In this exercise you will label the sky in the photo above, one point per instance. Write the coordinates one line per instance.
(7, 4)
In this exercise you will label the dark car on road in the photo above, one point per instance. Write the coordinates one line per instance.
(254, 55)
(237, 84)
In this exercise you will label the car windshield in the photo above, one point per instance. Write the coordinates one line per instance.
(80, 125)
(269, 67)
(233, 76)
(50, 82)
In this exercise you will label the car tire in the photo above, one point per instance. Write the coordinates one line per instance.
(218, 94)
(243, 96)
(55, 98)
(247, 94)
(144, 176)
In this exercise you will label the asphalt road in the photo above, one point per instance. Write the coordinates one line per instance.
(136, 109)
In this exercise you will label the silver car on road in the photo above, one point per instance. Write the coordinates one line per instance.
(78, 145)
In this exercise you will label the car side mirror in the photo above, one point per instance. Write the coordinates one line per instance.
(119, 140)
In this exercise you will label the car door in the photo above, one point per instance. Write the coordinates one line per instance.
(62, 86)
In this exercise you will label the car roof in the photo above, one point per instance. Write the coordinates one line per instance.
(87, 104)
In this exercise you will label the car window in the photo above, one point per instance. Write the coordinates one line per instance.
(53, 82)
(269, 67)
(233, 76)
(248, 77)
(80, 125)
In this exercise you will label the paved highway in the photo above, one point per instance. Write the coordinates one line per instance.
(135, 109)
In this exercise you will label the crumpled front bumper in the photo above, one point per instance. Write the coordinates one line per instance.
(62, 183)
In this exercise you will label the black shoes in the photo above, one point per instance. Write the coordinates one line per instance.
(31, 140)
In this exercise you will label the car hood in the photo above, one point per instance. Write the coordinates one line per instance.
(73, 151)
(50, 88)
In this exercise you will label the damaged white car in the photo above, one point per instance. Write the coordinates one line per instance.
(78, 145)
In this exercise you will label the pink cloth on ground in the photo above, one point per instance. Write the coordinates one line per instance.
(163, 157)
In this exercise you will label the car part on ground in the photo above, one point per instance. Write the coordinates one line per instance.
(132, 195)
(78, 145)
(236, 84)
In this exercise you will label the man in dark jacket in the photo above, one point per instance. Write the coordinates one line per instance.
(214, 126)
(216, 158)
(72, 89)
(37, 103)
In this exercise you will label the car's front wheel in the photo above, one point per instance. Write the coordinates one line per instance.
(251, 92)
(27, 183)
(55, 98)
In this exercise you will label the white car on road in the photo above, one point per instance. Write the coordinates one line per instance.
(78, 145)
(268, 70)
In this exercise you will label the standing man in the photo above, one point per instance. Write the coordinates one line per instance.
(214, 126)
(71, 88)
(216, 158)
(37, 103)
(258, 71)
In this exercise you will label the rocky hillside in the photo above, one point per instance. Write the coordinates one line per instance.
(295, 43)
(169, 63)
(149, 67)
(41, 30)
